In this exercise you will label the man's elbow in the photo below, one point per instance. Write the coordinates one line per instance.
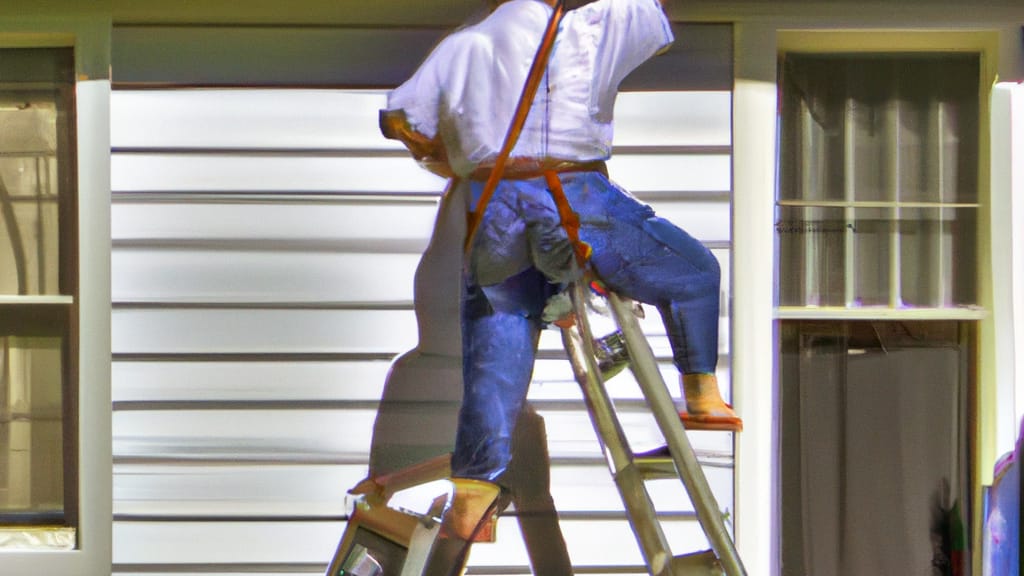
(429, 152)
(391, 122)
(394, 125)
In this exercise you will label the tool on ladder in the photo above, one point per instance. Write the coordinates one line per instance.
(630, 470)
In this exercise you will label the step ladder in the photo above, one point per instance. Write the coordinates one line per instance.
(383, 541)
(630, 470)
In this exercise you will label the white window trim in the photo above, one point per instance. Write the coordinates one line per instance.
(754, 173)
(754, 143)
(93, 553)
(1008, 265)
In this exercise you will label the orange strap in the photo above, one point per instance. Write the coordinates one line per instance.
(533, 79)
(570, 219)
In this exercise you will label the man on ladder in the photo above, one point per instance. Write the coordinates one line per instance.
(454, 115)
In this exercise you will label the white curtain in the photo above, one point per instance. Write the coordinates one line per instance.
(874, 449)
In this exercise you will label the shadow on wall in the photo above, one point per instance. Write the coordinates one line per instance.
(419, 409)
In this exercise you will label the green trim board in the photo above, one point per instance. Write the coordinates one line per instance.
(215, 55)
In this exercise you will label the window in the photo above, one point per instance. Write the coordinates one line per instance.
(877, 218)
(37, 293)
(878, 192)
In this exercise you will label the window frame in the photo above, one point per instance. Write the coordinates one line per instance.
(59, 310)
(986, 44)
(829, 206)
(88, 33)
(1007, 266)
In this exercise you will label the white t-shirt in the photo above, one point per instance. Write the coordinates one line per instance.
(468, 87)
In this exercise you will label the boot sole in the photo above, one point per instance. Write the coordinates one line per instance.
(710, 422)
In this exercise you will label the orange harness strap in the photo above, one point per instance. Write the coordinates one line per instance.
(569, 218)
(533, 79)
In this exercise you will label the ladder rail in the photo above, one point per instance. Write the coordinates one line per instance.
(640, 509)
(645, 370)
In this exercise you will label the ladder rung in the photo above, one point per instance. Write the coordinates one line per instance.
(698, 564)
(656, 468)
(661, 466)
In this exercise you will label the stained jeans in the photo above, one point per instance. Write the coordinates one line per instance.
(521, 255)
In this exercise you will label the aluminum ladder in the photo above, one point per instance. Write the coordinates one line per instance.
(629, 470)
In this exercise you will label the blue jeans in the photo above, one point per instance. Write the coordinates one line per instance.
(521, 255)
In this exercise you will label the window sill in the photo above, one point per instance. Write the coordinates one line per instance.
(36, 299)
(41, 538)
(878, 313)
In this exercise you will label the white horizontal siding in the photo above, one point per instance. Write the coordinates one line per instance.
(674, 119)
(145, 490)
(197, 490)
(366, 221)
(251, 275)
(264, 246)
(236, 543)
(591, 542)
(243, 381)
(238, 172)
(261, 331)
(308, 119)
(342, 434)
(203, 119)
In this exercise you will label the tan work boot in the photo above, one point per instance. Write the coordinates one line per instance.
(464, 521)
(705, 409)
(472, 503)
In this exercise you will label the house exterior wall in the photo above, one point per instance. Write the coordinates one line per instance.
(92, 28)
(305, 184)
